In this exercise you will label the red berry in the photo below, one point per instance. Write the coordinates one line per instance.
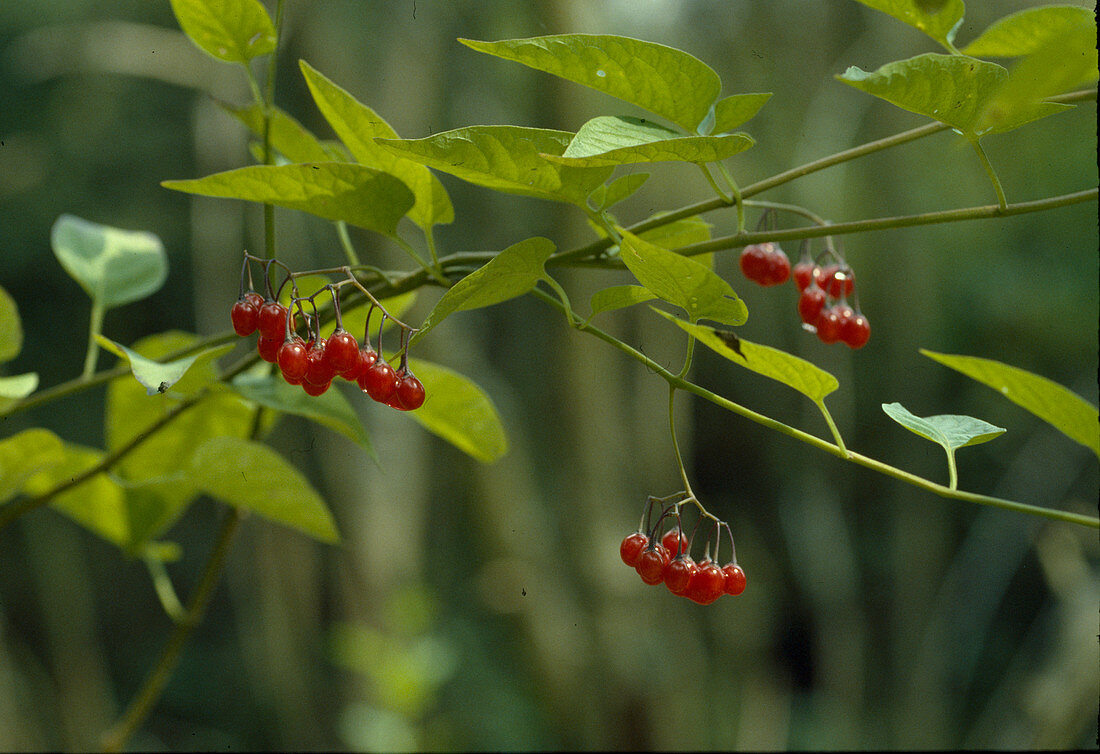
(735, 579)
(678, 574)
(631, 548)
(255, 299)
(855, 331)
(810, 303)
(828, 325)
(272, 322)
(670, 540)
(804, 273)
(245, 316)
(314, 390)
(707, 585)
(651, 564)
(380, 381)
(410, 391)
(293, 360)
(367, 357)
(341, 351)
(269, 348)
(318, 370)
(754, 262)
(837, 281)
(779, 267)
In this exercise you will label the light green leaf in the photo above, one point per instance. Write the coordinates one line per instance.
(732, 111)
(953, 89)
(15, 388)
(231, 30)
(663, 80)
(357, 126)
(811, 381)
(459, 412)
(511, 273)
(682, 281)
(619, 140)
(114, 266)
(504, 158)
(251, 475)
(154, 376)
(608, 195)
(330, 409)
(1063, 409)
(344, 191)
(25, 454)
(679, 233)
(1025, 31)
(952, 431)
(618, 297)
(939, 20)
(11, 329)
(287, 136)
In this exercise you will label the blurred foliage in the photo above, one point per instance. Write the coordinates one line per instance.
(484, 607)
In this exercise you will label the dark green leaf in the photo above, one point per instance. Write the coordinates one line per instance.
(114, 266)
(231, 30)
(459, 411)
(619, 140)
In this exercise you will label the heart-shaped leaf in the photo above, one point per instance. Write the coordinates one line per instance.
(231, 30)
(663, 80)
(950, 431)
(459, 411)
(1063, 409)
(1025, 31)
(114, 266)
(732, 111)
(154, 376)
(619, 140)
(939, 19)
(344, 191)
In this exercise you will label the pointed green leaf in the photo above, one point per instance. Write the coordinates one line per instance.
(511, 273)
(154, 376)
(459, 411)
(732, 111)
(1061, 408)
(114, 266)
(287, 136)
(251, 475)
(953, 89)
(682, 281)
(621, 140)
(663, 80)
(504, 158)
(618, 297)
(330, 409)
(344, 191)
(607, 195)
(939, 20)
(952, 431)
(357, 126)
(11, 328)
(15, 388)
(231, 30)
(1025, 31)
(811, 381)
(25, 454)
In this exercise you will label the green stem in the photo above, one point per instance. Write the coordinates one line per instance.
(675, 442)
(408, 249)
(736, 196)
(952, 471)
(984, 159)
(166, 593)
(345, 242)
(817, 442)
(726, 200)
(570, 315)
(832, 427)
(95, 327)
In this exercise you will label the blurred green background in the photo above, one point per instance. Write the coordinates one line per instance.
(485, 607)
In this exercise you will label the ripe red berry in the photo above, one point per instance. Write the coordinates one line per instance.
(255, 299)
(855, 331)
(754, 262)
(272, 322)
(269, 348)
(410, 391)
(735, 579)
(707, 585)
(804, 272)
(670, 540)
(245, 316)
(837, 281)
(810, 303)
(779, 267)
(318, 370)
(828, 325)
(293, 360)
(651, 564)
(380, 381)
(341, 351)
(678, 574)
(314, 390)
(631, 548)
(367, 357)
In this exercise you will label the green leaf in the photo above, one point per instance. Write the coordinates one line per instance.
(154, 376)
(663, 80)
(504, 158)
(952, 431)
(732, 111)
(287, 136)
(682, 281)
(15, 388)
(252, 476)
(620, 140)
(344, 191)
(25, 454)
(618, 297)
(1061, 408)
(330, 409)
(953, 89)
(459, 412)
(231, 30)
(11, 328)
(608, 195)
(811, 381)
(114, 266)
(1025, 31)
(939, 20)
(679, 233)
(511, 273)
(357, 126)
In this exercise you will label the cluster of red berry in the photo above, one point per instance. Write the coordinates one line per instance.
(765, 263)
(316, 362)
(668, 561)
